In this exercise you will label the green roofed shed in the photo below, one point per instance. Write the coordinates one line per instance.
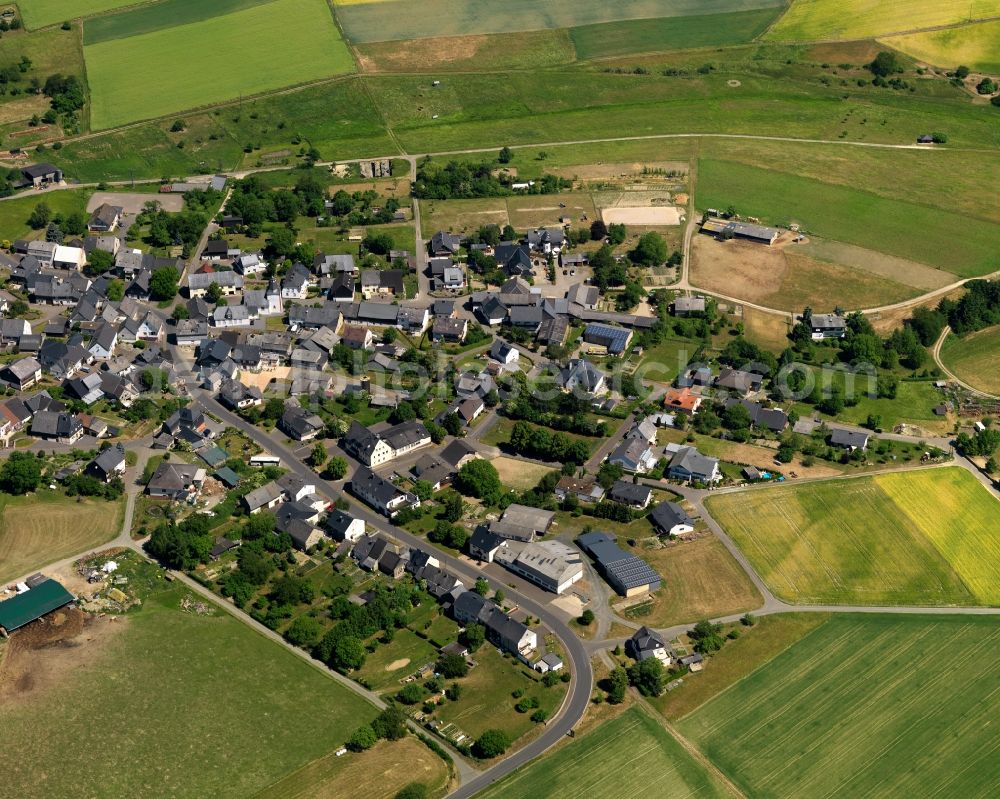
(25, 608)
(228, 476)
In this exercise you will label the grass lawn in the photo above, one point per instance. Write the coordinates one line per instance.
(853, 710)
(906, 229)
(39, 13)
(161, 72)
(665, 361)
(861, 19)
(486, 701)
(756, 645)
(49, 51)
(246, 711)
(700, 580)
(926, 537)
(518, 474)
(913, 403)
(47, 526)
(976, 46)
(390, 663)
(461, 216)
(620, 759)
(670, 33)
(975, 358)
(14, 213)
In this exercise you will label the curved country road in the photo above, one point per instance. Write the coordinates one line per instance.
(577, 698)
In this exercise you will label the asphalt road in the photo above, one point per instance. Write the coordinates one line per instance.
(578, 696)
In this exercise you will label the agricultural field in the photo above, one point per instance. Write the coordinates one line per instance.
(49, 526)
(861, 19)
(215, 681)
(904, 538)
(854, 709)
(41, 13)
(769, 636)
(647, 753)
(478, 53)
(976, 46)
(783, 277)
(975, 358)
(701, 580)
(387, 20)
(215, 139)
(612, 39)
(152, 61)
(904, 229)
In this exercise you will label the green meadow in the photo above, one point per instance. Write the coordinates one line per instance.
(209, 60)
(926, 234)
(40, 13)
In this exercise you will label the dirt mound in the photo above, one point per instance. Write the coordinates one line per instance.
(45, 652)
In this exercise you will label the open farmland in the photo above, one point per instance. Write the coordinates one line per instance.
(612, 39)
(385, 20)
(925, 234)
(49, 526)
(901, 538)
(164, 70)
(860, 19)
(782, 277)
(856, 708)
(976, 46)
(170, 689)
(975, 358)
(642, 753)
(40, 13)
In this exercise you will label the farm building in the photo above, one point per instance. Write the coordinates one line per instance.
(614, 339)
(628, 574)
(23, 609)
(740, 230)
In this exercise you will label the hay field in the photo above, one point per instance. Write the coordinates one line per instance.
(905, 538)
(862, 19)
(386, 20)
(701, 580)
(40, 13)
(163, 71)
(877, 706)
(519, 474)
(975, 358)
(671, 33)
(976, 46)
(621, 759)
(46, 527)
(195, 705)
(925, 234)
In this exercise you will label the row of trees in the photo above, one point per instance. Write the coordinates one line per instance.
(537, 442)
(459, 179)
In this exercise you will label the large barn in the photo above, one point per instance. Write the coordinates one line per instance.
(23, 609)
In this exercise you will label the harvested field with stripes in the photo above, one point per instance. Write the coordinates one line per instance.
(875, 706)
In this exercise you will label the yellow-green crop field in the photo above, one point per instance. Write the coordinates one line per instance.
(860, 19)
(976, 46)
(925, 537)
(258, 48)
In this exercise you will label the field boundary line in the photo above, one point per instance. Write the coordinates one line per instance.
(731, 788)
(968, 23)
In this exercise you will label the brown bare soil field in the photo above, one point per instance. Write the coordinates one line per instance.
(781, 277)
(765, 329)
(475, 52)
